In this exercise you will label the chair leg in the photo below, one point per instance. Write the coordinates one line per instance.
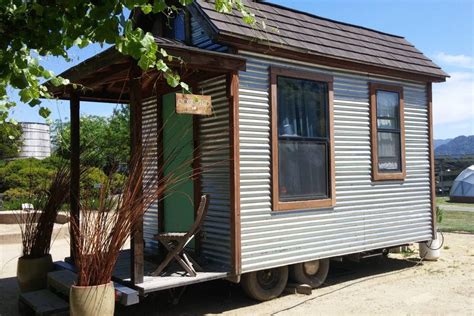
(175, 252)
(185, 266)
(171, 254)
(189, 263)
(197, 266)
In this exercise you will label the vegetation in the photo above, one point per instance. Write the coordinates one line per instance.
(107, 140)
(10, 140)
(454, 221)
(36, 29)
(101, 235)
(26, 180)
(37, 225)
(444, 200)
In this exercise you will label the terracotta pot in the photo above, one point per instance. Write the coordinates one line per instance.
(32, 273)
(92, 300)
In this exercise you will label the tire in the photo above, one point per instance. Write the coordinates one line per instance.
(313, 273)
(266, 284)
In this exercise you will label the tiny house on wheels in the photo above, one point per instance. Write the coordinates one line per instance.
(319, 144)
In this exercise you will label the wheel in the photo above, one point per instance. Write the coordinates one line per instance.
(266, 284)
(313, 273)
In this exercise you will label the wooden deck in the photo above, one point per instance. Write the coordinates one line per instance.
(158, 283)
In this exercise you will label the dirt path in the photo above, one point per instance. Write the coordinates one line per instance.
(394, 286)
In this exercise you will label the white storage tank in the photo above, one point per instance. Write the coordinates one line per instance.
(36, 140)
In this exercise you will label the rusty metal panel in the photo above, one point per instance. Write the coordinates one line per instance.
(367, 215)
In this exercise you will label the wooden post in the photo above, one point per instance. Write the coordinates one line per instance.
(429, 105)
(233, 96)
(137, 253)
(74, 189)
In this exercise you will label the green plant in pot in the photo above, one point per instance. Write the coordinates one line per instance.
(36, 232)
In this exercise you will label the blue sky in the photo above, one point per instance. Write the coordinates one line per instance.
(442, 29)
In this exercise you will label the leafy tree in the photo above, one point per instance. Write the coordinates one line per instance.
(10, 140)
(33, 29)
(104, 142)
(23, 180)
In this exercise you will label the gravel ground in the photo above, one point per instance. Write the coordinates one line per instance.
(397, 285)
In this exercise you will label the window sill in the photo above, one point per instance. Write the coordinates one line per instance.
(379, 176)
(303, 205)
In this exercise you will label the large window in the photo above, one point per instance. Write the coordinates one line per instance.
(301, 146)
(388, 149)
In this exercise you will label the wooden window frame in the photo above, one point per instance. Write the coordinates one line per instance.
(278, 205)
(376, 174)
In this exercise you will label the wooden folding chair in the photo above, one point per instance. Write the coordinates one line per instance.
(175, 243)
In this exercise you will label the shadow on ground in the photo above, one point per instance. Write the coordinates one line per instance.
(221, 296)
(8, 297)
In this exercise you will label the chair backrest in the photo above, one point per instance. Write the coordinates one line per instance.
(200, 215)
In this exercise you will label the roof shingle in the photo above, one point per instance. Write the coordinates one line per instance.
(298, 30)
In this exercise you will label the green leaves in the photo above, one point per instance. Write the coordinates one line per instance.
(33, 29)
(44, 112)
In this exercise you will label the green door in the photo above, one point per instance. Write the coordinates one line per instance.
(178, 148)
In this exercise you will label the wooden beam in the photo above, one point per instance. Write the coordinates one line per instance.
(429, 94)
(206, 60)
(74, 189)
(233, 97)
(137, 246)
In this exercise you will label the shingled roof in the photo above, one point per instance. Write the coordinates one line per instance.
(310, 34)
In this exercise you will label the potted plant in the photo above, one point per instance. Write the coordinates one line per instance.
(36, 231)
(106, 224)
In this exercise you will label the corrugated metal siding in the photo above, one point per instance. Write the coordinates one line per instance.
(215, 181)
(215, 166)
(150, 168)
(201, 39)
(367, 215)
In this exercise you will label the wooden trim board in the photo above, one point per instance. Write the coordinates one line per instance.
(233, 96)
(386, 176)
(136, 243)
(429, 94)
(277, 205)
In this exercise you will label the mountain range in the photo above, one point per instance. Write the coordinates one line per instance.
(456, 147)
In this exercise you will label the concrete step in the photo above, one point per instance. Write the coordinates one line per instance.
(61, 281)
(42, 303)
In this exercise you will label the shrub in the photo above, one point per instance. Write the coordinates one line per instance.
(91, 180)
(13, 198)
(118, 181)
(25, 173)
(439, 214)
(17, 194)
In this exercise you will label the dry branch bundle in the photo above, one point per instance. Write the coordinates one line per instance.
(102, 233)
(37, 225)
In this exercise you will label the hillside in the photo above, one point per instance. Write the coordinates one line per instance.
(459, 146)
(439, 142)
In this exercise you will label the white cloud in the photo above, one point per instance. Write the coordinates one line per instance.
(461, 61)
(453, 101)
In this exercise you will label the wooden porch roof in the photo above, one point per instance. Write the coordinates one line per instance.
(104, 77)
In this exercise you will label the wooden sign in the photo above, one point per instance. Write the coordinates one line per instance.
(193, 104)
